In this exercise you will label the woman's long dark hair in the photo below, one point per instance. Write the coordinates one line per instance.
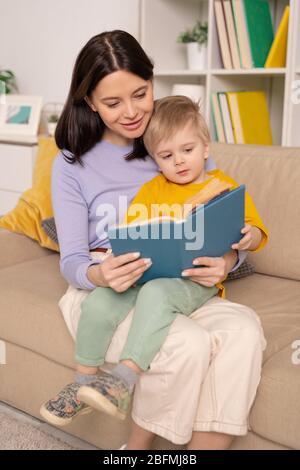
(79, 127)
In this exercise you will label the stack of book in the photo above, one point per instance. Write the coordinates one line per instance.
(241, 118)
(246, 36)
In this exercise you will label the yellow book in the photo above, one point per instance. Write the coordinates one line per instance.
(250, 117)
(277, 54)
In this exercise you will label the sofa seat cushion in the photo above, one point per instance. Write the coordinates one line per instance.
(276, 301)
(29, 312)
(275, 414)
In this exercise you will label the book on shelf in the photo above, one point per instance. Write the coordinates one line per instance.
(260, 29)
(223, 35)
(245, 32)
(242, 34)
(217, 118)
(250, 117)
(227, 122)
(232, 37)
(172, 244)
(277, 53)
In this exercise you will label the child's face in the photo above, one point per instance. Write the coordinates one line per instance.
(181, 158)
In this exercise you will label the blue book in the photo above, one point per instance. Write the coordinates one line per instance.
(172, 245)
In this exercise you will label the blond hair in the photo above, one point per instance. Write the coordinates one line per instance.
(169, 115)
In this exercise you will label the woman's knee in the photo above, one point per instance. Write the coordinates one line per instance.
(249, 328)
(190, 339)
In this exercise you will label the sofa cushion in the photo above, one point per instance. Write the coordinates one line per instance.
(271, 175)
(50, 228)
(29, 312)
(276, 301)
(16, 248)
(276, 411)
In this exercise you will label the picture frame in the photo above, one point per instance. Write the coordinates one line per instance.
(19, 115)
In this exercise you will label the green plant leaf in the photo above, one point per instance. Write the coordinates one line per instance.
(199, 33)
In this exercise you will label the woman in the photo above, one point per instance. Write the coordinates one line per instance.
(206, 374)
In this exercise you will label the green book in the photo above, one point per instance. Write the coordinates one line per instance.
(260, 29)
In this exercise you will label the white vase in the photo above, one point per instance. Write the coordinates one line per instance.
(194, 92)
(196, 56)
(51, 128)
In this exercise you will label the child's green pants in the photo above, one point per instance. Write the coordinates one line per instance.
(156, 304)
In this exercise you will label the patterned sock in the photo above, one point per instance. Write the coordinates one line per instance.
(84, 379)
(126, 374)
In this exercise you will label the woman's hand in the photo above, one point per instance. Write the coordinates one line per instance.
(251, 239)
(215, 269)
(118, 272)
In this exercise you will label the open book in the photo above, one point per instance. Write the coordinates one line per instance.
(211, 225)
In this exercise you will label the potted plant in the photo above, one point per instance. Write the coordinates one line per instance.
(196, 40)
(7, 82)
(52, 123)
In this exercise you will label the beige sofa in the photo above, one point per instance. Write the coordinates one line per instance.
(39, 350)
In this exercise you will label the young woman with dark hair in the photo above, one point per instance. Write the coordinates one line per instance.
(78, 130)
(206, 374)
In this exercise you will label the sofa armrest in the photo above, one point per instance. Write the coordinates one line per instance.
(16, 248)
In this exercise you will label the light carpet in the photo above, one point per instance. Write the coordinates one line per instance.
(18, 435)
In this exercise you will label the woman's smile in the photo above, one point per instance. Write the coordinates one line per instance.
(132, 126)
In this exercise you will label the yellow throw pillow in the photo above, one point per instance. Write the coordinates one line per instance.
(35, 204)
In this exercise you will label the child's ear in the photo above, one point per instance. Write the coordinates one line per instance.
(206, 151)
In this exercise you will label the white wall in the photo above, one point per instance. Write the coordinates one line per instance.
(40, 39)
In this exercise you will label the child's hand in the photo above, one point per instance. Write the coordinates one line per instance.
(246, 242)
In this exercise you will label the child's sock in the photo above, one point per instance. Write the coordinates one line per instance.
(126, 374)
(84, 379)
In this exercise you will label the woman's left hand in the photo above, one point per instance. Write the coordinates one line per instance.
(215, 270)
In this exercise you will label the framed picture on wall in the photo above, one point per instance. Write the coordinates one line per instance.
(19, 116)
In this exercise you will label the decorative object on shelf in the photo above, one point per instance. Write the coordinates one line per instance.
(194, 92)
(19, 116)
(51, 114)
(196, 41)
(52, 123)
(8, 82)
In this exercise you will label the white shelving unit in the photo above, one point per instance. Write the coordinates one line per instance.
(292, 110)
(17, 162)
(162, 20)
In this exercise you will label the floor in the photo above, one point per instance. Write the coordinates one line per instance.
(47, 428)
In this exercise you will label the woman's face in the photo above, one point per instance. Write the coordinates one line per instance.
(124, 102)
